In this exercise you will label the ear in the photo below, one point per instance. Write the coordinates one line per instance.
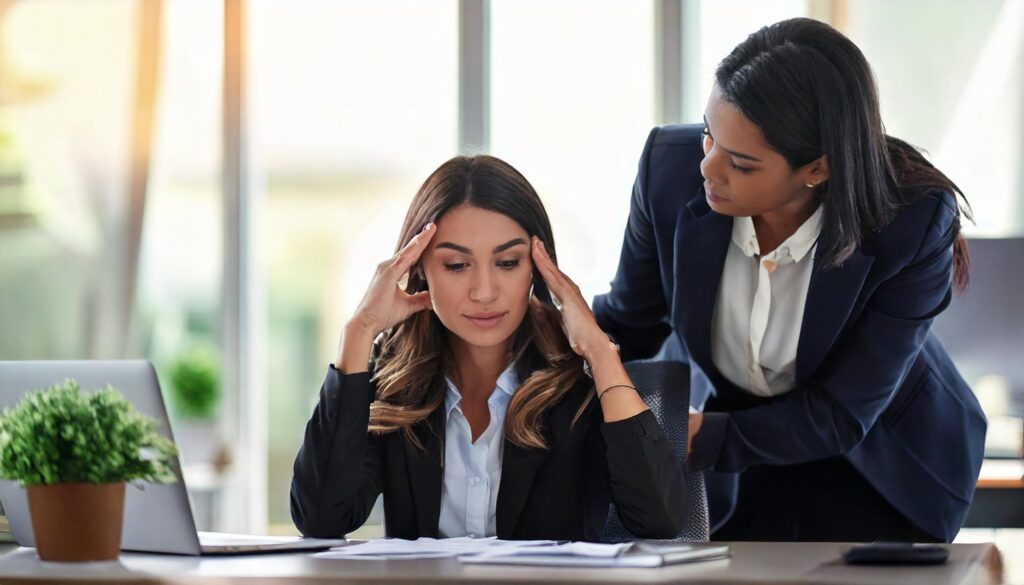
(815, 172)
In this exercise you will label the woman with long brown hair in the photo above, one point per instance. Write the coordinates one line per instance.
(472, 411)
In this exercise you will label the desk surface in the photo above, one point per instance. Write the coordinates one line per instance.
(762, 563)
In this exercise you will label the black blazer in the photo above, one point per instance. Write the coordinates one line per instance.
(872, 383)
(560, 493)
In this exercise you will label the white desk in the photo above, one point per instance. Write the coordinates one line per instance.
(762, 563)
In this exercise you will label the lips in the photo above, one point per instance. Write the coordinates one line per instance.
(712, 196)
(486, 320)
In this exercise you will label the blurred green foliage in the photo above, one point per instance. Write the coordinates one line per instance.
(195, 383)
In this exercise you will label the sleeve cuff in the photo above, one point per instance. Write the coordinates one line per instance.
(343, 392)
(707, 444)
(332, 368)
(638, 425)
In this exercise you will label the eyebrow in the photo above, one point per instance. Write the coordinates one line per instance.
(497, 249)
(732, 152)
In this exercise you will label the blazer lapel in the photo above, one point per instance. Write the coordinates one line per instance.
(518, 468)
(830, 300)
(701, 245)
(426, 473)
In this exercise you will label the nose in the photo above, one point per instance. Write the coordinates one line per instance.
(484, 288)
(711, 165)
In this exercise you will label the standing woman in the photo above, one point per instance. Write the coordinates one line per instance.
(796, 255)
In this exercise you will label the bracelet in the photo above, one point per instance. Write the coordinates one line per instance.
(605, 391)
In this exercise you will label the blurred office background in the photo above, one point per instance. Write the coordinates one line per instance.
(209, 184)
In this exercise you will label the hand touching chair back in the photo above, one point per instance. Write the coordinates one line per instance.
(665, 387)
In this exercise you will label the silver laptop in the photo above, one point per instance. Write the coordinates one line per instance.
(157, 518)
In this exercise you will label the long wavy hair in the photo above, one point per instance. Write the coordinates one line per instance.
(413, 358)
(811, 92)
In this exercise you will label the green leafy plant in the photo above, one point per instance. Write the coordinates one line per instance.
(195, 383)
(64, 435)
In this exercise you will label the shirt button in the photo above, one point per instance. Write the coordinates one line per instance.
(474, 480)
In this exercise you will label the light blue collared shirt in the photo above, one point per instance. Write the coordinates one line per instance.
(472, 471)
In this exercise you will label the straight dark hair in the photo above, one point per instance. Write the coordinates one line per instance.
(811, 92)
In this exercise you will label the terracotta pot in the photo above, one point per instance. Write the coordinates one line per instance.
(75, 522)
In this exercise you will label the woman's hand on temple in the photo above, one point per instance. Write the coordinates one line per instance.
(581, 328)
(385, 304)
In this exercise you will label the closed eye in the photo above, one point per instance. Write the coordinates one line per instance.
(461, 266)
(455, 267)
(708, 136)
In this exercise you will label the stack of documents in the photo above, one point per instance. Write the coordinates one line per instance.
(531, 552)
(426, 548)
(587, 554)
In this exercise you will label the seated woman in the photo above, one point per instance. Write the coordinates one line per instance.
(474, 415)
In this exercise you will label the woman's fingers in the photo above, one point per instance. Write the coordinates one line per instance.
(419, 302)
(385, 303)
(412, 251)
(543, 262)
(557, 281)
(578, 321)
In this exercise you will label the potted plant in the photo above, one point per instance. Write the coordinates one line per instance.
(195, 383)
(74, 451)
(194, 398)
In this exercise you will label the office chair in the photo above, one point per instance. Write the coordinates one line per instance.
(665, 387)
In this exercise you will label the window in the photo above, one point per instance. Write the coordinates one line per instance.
(957, 90)
(353, 105)
(572, 90)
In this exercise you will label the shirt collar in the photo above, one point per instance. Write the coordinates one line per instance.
(798, 244)
(507, 383)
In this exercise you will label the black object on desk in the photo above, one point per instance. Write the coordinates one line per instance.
(896, 553)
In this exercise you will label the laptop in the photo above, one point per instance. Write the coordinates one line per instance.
(157, 518)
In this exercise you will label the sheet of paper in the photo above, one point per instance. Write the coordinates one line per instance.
(568, 549)
(422, 548)
(584, 554)
(536, 560)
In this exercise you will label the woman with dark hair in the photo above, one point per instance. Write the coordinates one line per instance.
(795, 255)
(473, 415)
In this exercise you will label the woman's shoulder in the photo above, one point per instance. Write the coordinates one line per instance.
(669, 176)
(677, 135)
(926, 225)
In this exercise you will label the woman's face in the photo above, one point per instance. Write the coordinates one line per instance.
(479, 272)
(743, 176)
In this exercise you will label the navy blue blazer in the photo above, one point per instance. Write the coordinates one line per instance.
(872, 384)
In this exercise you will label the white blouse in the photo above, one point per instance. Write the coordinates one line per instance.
(760, 308)
(472, 471)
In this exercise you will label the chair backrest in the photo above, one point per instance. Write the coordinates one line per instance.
(665, 387)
